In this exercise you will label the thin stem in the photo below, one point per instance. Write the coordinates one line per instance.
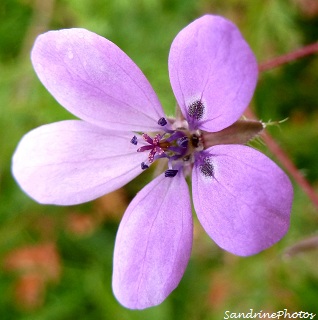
(42, 15)
(305, 245)
(271, 143)
(278, 61)
(289, 166)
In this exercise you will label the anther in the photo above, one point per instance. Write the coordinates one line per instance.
(170, 173)
(144, 166)
(162, 122)
(183, 142)
(134, 140)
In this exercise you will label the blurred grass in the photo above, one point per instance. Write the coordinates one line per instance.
(215, 281)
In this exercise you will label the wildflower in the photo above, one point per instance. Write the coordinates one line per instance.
(242, 199)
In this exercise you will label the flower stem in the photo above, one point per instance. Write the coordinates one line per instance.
(297, 54)
(289, 166)
(271, 143)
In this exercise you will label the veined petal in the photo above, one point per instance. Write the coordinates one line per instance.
(153, 243)
(95, 80)
(242, 198)
(72, 162)
(213, 73)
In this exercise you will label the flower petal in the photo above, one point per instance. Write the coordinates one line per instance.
(153, 243)
(213, 73)
(95, 80)
(242, 198)
(72, 162)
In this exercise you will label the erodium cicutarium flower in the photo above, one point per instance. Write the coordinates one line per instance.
(242, 199)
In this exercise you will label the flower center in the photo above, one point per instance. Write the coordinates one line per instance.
(180, 144)
(175, 145)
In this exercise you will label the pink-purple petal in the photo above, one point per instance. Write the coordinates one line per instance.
(72, 162)
(95, 80)
(153, 243)
(242, 198)
(213, 73)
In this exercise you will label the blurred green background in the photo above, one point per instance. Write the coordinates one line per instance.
(56, 262)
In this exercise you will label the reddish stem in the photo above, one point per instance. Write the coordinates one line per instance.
(291, 168)
(286, 162)
(297, 54)
(271, 143)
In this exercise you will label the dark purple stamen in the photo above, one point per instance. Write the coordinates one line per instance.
(170, 173)
(144, 166)
(175, 136)
(162, 122)
(183, 142)
(134, 140)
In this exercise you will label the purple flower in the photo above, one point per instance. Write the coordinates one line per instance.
(242, 199)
